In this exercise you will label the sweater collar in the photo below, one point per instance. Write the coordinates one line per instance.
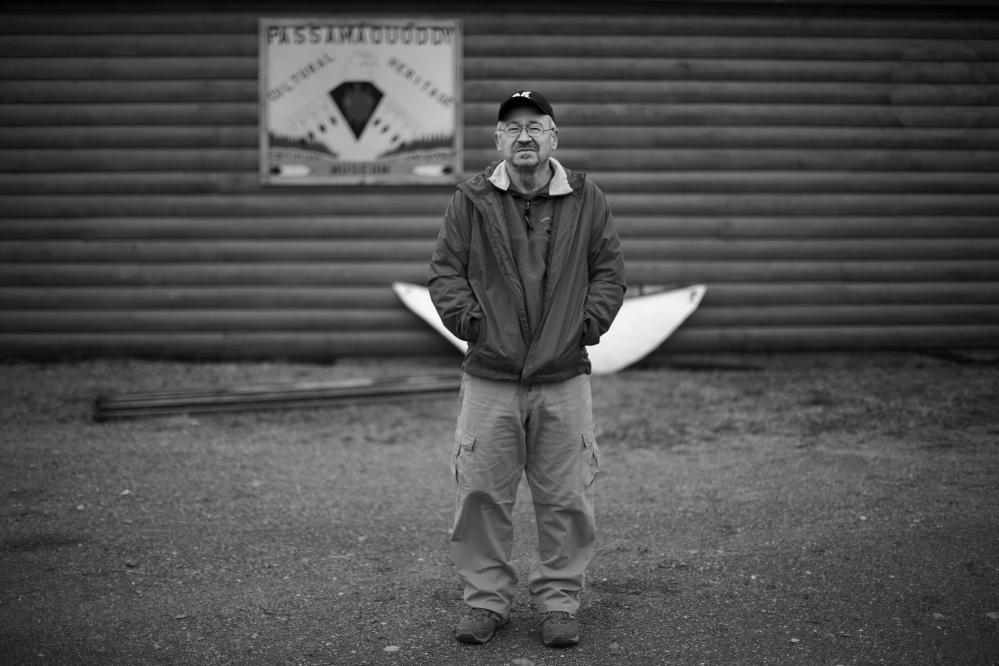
(557, 186)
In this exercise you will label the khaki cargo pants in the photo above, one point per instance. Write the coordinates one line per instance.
(504, 430)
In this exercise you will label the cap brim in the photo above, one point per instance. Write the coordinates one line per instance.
(522, 101)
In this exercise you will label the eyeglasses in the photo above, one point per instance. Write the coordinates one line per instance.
(534, 131)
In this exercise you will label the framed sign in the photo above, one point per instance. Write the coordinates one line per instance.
(348, 101)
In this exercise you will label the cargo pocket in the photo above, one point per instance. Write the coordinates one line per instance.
(463, 459)
(589, 463)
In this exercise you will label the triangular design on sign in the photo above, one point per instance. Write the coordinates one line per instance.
(357, 101)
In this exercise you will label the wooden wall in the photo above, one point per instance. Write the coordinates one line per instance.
(832, 178)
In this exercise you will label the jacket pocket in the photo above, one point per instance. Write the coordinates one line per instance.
(589, 461)
(591, 333)
(463, 459)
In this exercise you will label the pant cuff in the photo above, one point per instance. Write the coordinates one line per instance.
(502, 613)
(566, 608)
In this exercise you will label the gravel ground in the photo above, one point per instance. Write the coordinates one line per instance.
(817, 509)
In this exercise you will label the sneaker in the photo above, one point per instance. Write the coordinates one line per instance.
(559, 629)
(478, 625)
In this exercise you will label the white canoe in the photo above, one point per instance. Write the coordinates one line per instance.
(643, 323)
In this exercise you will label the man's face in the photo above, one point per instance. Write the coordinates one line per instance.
(525, 151)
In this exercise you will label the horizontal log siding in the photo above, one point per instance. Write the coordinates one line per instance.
(833, 179)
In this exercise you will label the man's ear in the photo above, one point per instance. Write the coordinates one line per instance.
(554, 138)
(498, 138)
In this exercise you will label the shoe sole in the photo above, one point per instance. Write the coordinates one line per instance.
(472, 639)
(563, 641)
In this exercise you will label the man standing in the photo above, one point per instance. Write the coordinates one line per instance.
(528, 269)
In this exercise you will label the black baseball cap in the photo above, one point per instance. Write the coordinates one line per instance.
(526, 97)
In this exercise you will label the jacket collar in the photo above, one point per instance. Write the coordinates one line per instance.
(557, 186)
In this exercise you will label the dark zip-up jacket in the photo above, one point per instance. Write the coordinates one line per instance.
(477, 291)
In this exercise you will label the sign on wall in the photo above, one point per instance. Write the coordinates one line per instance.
(360, 101)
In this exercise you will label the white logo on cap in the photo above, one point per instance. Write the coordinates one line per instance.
(526, 93)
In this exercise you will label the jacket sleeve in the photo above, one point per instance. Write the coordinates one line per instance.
(606, 273)
(448, 279)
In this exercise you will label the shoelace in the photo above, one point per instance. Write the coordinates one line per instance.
(482, 615)
(557, 617)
